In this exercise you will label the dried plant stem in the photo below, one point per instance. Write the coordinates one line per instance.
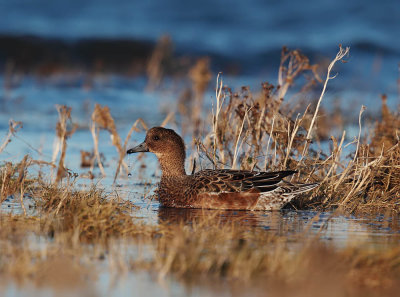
(336, 157)
(220, 102)
(96, 147)
(122, 155)
(268, 142)
(236, 151)
(64, 113)
(3, 185)
(339, 56)
(275, 154)
(167, 119)
(21, 179)
(61, 168)
(13, 128)
(56, 150)
(363, 108)
(294, 132)
(362, 177)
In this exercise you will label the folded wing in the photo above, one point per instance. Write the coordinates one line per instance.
(226, 181)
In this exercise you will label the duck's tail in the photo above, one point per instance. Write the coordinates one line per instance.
(284, 193)
(289, 189)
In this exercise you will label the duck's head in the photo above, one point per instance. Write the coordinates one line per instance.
(169, 148)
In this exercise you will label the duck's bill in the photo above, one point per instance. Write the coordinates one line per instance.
(141, 148)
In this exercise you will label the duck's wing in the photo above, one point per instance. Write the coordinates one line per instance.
(231, 181)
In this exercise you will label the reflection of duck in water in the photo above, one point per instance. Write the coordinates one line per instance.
(214, 189)
(280, 222)
(243, 218)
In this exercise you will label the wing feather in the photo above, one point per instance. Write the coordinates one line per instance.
(226, 180)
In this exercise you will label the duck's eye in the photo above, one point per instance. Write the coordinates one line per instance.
(156, 138)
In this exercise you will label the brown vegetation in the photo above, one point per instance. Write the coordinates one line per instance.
(249, 131)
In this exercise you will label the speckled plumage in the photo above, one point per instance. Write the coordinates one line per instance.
(215, 189)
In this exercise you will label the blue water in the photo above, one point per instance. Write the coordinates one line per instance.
(248, 27)
(248, 34)
(239, 29)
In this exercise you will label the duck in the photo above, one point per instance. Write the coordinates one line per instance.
(225, 189)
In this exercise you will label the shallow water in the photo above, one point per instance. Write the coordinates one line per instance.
(377, 232)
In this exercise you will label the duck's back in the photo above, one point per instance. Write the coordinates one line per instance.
(230, 189)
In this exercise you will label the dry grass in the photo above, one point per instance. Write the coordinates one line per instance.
(260, 132)
(79, 228)
(207, 251)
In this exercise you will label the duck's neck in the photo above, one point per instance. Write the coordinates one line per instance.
(172, 165)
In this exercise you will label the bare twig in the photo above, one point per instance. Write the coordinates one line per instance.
(339, 56)
(121, 156)
(13, 128)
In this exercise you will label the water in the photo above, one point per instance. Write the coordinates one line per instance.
(249, 27)
(248, 34)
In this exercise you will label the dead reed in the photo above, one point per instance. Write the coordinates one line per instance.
(260, 132)
(13, 128)
(227, 252)
(63, 133)
(252, 131)
(208, 250)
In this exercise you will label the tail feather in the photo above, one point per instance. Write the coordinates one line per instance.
(296, 189)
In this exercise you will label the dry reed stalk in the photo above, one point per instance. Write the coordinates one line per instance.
(237, 147)
(21, 178)
(220, 98)
(63, 133)
(291, 138)
(292, 64)
(95, 137)
(269, 139)
(335, 156)
(13, 179)
(362, 175)
(369, 180)
(121, 156)
(339, 56)
(13, 128)
(159, 62)
(167, 119)
(387, 131)
(264, 117)
(200, 76)
(102, 117)
(359, 132)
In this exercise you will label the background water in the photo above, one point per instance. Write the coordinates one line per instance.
(250, 33)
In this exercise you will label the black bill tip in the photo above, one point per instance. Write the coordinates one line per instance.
(141, 148)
